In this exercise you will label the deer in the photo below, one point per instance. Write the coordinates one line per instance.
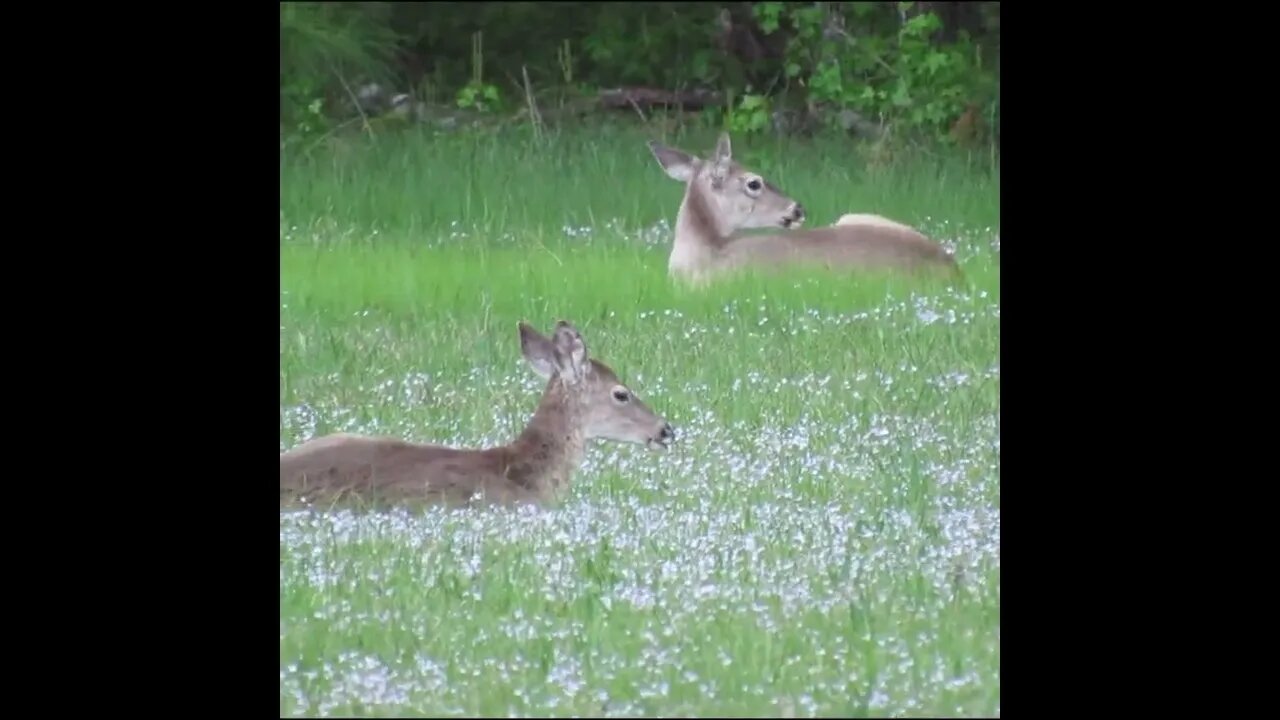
(583, 400)
(722, 197)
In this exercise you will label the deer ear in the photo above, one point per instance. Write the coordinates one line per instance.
(721, 160)
(537, 350)
(678, 164)
(570, 352)
(724, 149)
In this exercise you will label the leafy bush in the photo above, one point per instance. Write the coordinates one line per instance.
(881, 61)
(894, 65)
(322, 46)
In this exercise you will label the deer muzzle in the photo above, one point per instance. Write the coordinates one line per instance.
(666, 436)
(794, 216)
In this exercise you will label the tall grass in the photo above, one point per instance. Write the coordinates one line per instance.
(505, 186)
(824, 537)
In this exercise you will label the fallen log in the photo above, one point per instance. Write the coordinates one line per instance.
(647, 97)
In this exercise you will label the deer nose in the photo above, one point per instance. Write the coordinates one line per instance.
(667, 433)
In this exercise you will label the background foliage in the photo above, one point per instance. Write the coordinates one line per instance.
(918, 72)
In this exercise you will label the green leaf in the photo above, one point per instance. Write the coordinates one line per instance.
(901, 94)
(935, 61)
(767, 14)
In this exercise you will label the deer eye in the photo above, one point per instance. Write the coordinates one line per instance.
(754, 185)
(621, 395)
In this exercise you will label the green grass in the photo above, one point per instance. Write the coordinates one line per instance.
(824, 538)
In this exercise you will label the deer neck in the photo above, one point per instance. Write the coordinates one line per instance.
(699, 234)
(552, 446)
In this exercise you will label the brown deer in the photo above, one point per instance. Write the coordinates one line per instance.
(722, 197)
(583, 400)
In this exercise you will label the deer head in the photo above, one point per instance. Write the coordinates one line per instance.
(724, 195)
(609, 409)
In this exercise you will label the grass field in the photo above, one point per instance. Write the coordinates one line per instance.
(823, 539)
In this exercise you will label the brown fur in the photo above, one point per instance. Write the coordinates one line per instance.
(720, 201)
(578, 405)
(861, 246)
